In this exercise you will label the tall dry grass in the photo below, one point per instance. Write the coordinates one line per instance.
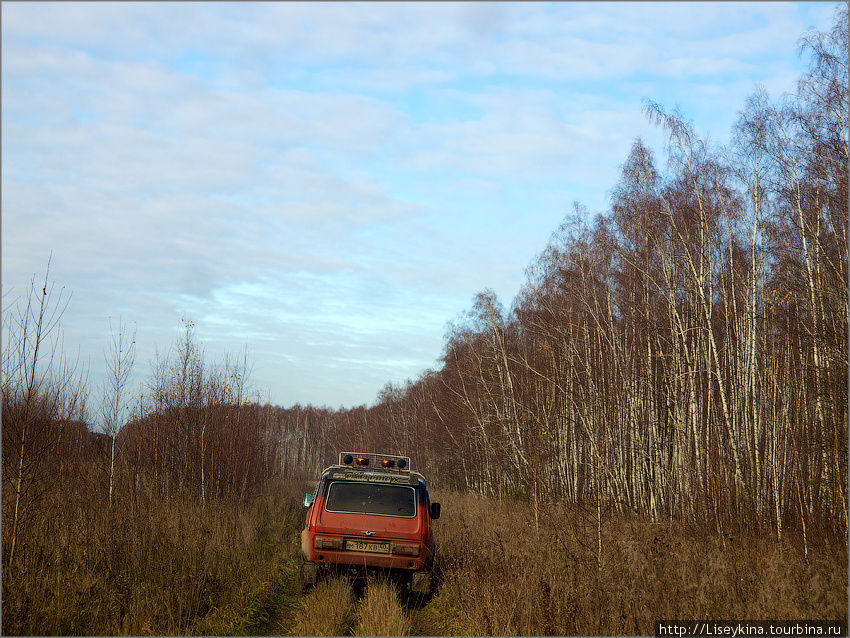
(380, 613)
(155, 566)
(172, 567)
(327, 610)
(334, 607)
(501, 576)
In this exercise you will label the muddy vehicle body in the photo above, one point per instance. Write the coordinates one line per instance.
(370, 511)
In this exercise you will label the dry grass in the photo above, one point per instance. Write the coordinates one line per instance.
(157, 567)
(171, 567)
(380, 613)
(500, 577)
(326, 610)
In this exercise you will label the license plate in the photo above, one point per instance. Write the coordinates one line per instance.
(361, 546)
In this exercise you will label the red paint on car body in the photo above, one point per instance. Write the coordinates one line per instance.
(379, 531)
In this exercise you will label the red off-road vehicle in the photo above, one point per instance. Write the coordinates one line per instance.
(370, 511)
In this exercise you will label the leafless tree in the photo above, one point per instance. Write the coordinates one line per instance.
(119, 358)
(34, 374)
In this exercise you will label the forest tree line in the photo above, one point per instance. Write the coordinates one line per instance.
(683, 355)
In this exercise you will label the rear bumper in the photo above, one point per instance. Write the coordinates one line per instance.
(365, 559)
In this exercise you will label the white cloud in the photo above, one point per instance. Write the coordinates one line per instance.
(334, 181)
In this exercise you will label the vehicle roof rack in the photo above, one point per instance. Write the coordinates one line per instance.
(373, 461)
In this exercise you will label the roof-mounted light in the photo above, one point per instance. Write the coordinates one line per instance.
(388, 462)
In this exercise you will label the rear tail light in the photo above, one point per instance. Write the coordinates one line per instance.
(362, 461)
(327, 543)
(407, 550)
(388, 463)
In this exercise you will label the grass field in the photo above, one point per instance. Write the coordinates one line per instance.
(232, 570)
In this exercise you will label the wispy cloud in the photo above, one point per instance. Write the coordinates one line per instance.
(331, 182)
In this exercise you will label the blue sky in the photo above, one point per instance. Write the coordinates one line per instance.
(330, 184)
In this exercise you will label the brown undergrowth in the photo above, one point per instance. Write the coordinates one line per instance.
(174, 567)
(327, 610)
(501, 576)
(380, 613)
(153, 566)
(337, 607)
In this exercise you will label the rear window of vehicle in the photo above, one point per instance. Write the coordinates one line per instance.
(369, 498)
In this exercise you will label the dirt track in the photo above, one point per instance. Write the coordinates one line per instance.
(363, 606)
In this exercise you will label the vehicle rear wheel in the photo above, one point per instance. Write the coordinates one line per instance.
(419, 589)
(307, 575)
(420, 582)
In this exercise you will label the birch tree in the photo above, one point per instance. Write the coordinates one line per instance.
(33, 364)
(119, 357)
